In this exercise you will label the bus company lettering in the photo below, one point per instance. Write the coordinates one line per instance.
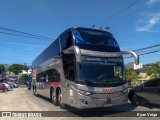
(51, 64)
(54, 63)
(104, 54)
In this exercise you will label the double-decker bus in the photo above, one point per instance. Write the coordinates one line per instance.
(82, 68)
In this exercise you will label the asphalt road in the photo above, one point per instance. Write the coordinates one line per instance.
(21, 99)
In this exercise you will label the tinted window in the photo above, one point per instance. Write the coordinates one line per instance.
(52, 51)
(53, 75)
(69, 71)
(159, 83)
(69, 66)
(41, 77)
(100, 73)
(66, 40)
(95, 40)
(152, 83)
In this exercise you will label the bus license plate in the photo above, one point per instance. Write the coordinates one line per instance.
(108, 103)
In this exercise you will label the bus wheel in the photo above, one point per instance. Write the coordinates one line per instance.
(135, 100)
(54, 99)
(60, 100)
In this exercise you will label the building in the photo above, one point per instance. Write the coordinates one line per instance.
(140, 71)
(143, 74)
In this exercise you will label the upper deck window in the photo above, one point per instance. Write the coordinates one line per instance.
(94, 37)
(66, 40)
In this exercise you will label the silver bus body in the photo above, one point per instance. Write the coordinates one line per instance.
(54, 75)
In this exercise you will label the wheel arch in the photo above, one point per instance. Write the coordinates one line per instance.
(130, 95)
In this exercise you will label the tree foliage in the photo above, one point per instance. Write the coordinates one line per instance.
(17, 68)
(24, 79)
(2, 68)
(131, 75)
(153, 70)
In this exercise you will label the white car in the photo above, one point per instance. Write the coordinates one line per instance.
(7, 86)
(11, 84)
(15, 85)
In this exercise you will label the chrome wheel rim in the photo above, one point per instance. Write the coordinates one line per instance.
(53, 97)
(60, 98)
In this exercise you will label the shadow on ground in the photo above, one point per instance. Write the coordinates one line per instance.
(115, 111)
(151, 106)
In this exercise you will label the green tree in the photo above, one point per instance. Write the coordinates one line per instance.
(153, 70)
(24, 79)
(17, 68)
(131, 75)
(2, 68)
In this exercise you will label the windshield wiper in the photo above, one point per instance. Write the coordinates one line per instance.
(86, 81)
(101, 82)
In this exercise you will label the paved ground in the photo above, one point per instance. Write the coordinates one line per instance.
(21, 99)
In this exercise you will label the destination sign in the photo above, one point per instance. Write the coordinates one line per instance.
(100, 59)
(101, 54)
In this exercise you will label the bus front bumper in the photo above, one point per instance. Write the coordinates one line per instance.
(90, 102)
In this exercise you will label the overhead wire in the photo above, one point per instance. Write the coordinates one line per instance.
(144, 53)
(23, 34)
(118, 12)
(149, 50)
(126, 16)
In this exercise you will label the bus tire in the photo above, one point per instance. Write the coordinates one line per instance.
(54, 99)
(135, 100)
(60, 100)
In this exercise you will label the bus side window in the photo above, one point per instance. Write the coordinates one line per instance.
(42, 77)
(38, 77)
(66, 40)
(53, 75)
(69, 72)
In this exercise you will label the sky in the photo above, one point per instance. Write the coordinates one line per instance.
(136, 26)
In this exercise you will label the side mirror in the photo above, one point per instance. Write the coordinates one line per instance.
(134, 54)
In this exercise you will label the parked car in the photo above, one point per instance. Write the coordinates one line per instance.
(8, 86)
(15, 85)
(11, 84)
(2, 87)
(148, 92)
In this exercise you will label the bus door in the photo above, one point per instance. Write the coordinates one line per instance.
(70, 78)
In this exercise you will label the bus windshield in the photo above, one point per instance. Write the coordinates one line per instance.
(101, 73)
(100, 40)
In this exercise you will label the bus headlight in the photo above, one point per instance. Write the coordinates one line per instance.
(84, 92)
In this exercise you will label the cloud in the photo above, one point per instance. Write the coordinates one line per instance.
(148, 23)
(151, 2)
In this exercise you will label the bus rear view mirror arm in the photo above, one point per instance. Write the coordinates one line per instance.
(134, 54)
